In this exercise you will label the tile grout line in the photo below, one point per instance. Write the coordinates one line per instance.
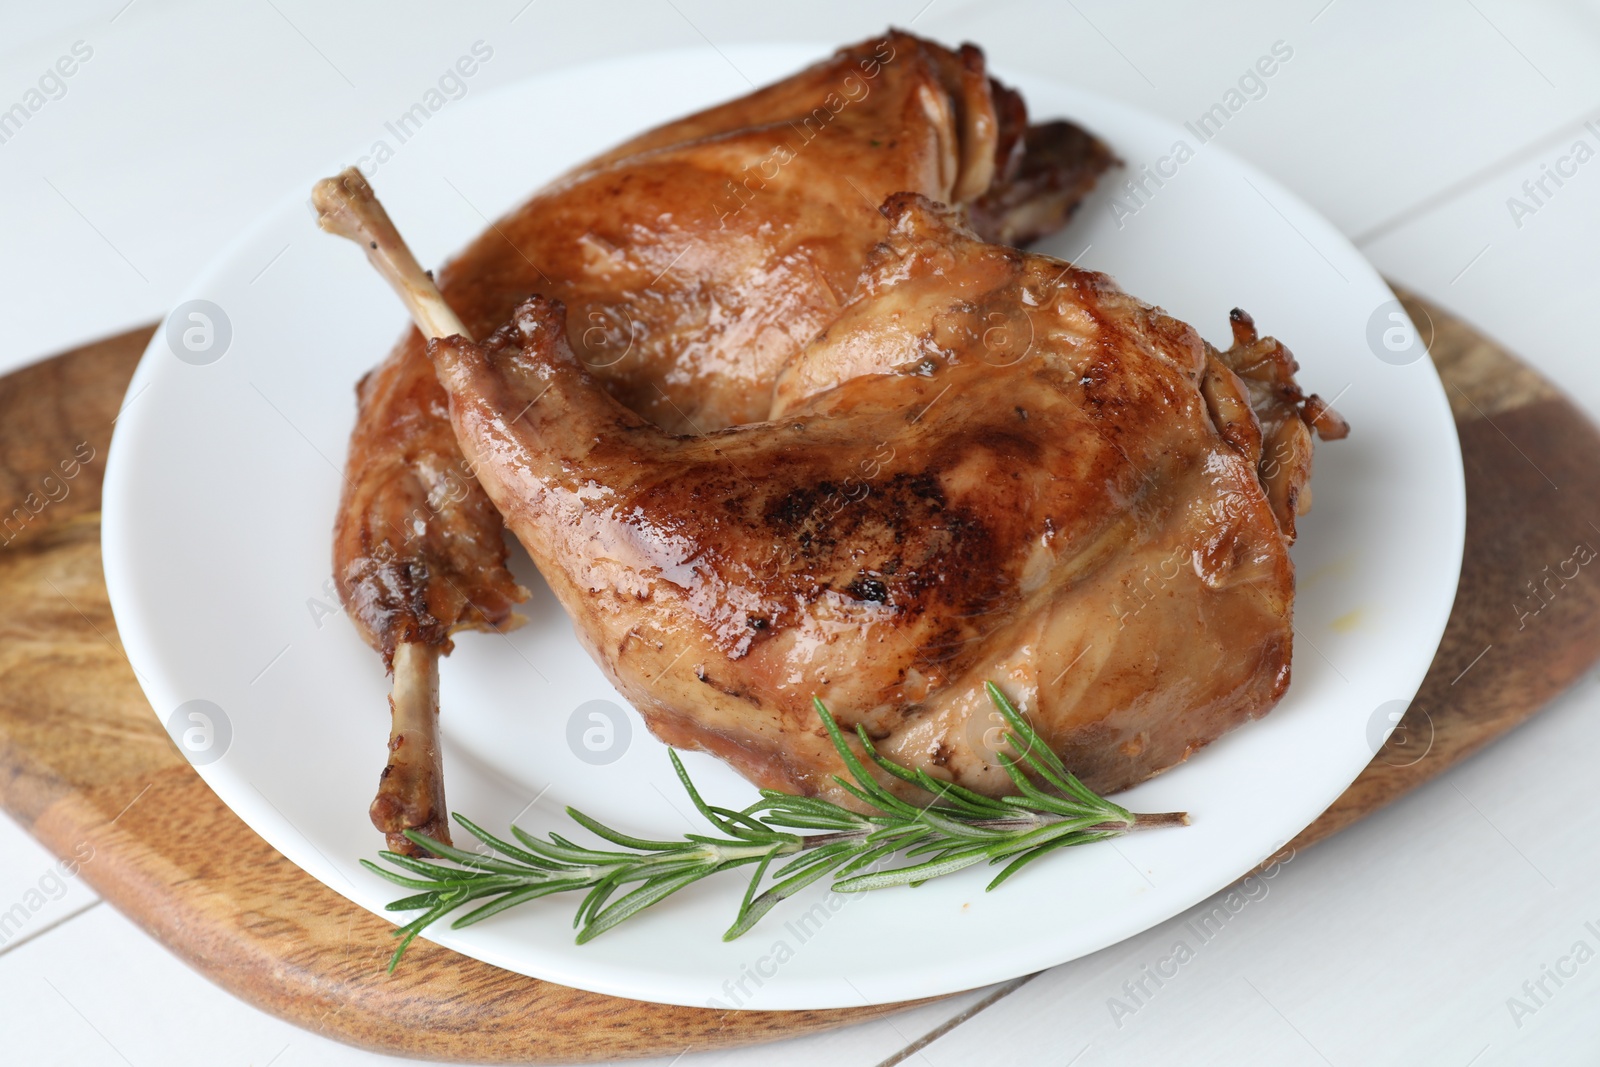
(34, 935)
(1439, 198)
(957, 1020)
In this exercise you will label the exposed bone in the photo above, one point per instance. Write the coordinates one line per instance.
(411, 790)
(347, 206)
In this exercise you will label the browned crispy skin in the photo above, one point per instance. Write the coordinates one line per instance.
(695, 260)
(1066, 515)
(415, 566)
(1284, 417)
(698, 259)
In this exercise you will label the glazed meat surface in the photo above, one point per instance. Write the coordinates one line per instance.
(1072, 507)
(695, 261)
(414, 564)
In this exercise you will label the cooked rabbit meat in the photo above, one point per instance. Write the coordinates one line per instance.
(1073, 518)
(695, 260)
(415, 566)
(1055, 171)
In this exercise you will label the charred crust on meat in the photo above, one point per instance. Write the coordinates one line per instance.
(1244, 327)
(869, 589)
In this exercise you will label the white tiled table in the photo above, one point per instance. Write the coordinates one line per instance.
(1410, 124)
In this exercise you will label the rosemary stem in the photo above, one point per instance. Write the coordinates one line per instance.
(1139, 822)
(812, 841)
(724, 853)
(957, 830)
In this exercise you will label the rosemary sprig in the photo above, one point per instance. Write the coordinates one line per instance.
(790, 841)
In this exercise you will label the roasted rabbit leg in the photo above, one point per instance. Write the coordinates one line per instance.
(417, 568)
(1081, 518)
(696, 259)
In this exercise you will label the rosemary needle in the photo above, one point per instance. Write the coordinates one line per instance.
(788, 841)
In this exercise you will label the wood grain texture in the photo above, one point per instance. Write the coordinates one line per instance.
(85, 765)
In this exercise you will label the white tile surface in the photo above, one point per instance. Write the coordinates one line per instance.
(1534, 286)
(99, 991)
(38, 891)
(1410, 124)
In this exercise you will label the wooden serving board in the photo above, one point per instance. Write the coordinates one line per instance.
(83, 762)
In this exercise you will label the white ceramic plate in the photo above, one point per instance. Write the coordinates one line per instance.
(224, 474)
